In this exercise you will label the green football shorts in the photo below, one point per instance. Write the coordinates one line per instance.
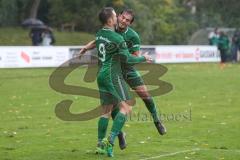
(113, 89)
(132, 76)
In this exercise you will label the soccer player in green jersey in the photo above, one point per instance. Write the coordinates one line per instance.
(131, 76)
(112, 52)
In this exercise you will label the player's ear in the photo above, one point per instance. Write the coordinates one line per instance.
(109, 21)
(132, 20)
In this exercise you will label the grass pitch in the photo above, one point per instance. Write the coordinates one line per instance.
(201, 114)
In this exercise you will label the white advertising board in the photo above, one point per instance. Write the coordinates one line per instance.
(183, 54)
(29, 56)
(26, 56)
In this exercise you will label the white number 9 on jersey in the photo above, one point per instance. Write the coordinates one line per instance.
(102, 52)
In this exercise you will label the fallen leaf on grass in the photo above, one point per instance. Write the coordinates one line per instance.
(127, 125)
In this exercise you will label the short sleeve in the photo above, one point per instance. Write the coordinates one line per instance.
(135, 40)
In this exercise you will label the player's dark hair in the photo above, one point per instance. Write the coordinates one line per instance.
(105, 14)
(129, 11)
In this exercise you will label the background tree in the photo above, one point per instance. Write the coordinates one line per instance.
(218, 13)
(157, 21)
(34, 8)
(8, 12)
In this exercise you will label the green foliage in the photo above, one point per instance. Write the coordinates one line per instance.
(80, 12)
(18, 36)
(163, 21)
(157, 21)
(8, 12)
(216, 13)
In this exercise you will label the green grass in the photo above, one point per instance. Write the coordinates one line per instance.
(29, 129)
(19, 36)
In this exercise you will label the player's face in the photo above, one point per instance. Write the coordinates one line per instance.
(124, 20)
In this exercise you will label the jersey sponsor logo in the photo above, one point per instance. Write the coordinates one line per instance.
(129, 44)
(123, 45)
(103, 38)
(111, 47)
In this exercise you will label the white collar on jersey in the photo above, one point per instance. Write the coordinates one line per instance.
(107, 29)
(126, 30)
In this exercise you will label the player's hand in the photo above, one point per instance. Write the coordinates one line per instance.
(81, 52)
(147, 57)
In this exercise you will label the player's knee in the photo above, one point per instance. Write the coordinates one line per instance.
(129, 109)
(131, 102)
(107, 115)
(142, 92)
(144, 95)
(125, 109)
(106, 111)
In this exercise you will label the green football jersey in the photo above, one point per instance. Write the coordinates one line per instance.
(112, 52)
(130, 74)
(132, 39)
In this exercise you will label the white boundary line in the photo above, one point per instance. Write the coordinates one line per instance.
(185, 151)
(171, 154)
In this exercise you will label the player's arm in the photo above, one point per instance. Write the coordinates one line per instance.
(136, 53)
(88, 46)
(126, 57)
(135, 49)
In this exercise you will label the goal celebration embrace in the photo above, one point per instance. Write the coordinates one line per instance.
(119, 79)
(118, 50)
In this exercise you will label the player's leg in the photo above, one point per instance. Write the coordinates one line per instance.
(102, 127)
(118, 124)
(106, 99)
(120, 119)
(149, 103)
(121, 135)
(124, 99)
(123, 91)
(134, 80)
(103, 121)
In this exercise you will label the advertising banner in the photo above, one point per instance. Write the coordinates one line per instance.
(183, 54)
(21, 57)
